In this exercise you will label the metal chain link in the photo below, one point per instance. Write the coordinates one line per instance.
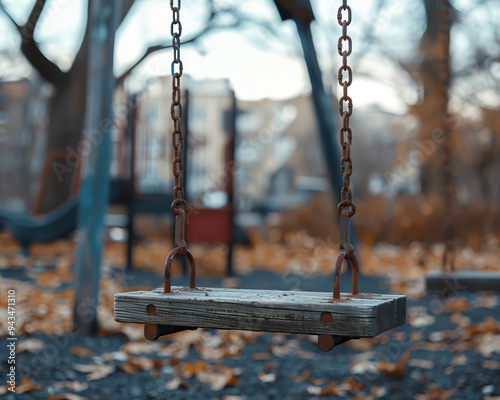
(447, 161)
(346, 208)
(176, 107)
(345, 130)
(179, 205)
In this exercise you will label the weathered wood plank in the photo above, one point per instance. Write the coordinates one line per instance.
(364, 315)
(456, 282)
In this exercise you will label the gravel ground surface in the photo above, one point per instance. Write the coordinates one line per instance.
(452, 345)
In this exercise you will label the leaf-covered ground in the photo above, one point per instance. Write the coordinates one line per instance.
(449, 348)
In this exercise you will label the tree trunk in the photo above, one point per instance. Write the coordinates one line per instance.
(430, 111)
(65, 128)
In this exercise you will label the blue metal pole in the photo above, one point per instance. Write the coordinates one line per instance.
(94, 190)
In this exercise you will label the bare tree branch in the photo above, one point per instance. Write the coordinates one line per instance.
(46, 68)
(126, 6)
(153, 49)
(210, 25)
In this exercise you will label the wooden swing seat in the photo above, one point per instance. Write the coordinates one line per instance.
(458, 281)
(314, 313)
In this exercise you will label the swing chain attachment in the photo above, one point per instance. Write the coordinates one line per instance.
(179, 205)
(346, 208)
(346, 253)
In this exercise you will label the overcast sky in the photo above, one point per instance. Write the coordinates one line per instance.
(258, 63)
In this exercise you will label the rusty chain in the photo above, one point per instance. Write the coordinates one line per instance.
(346, 208)
(179, 205)
(345, 130)
(176, 107)
(445, 20)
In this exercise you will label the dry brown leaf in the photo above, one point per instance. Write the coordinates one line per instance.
(261, 356)
(95, 371)
(491, 364)
(138, 348)
(50, 278)
(331, 390)
(30, 345)
(82, 351)
(378, 391)
(302, 377)
(115, 356)
(318, 381)
(488, 326)
(175, 384)
(142, 363)
(280, 351)
(488, 345)
(187, 339)
(222, 344)
(457, 304)
(415, 362)
(362, 398)
(439, 336)
(394, 370)
(384, 339)
(66, 396)
(362, 367)
(486, 301)
(268, 366)
(75, 386)
(27, 386)
(128, 369)
(267, 378)
(291, 347)
(189, 370)
(459, 359)
(459, 319)
(352, 386)
(418, 317)
(174, 361)
(218, 380)
(430, 346)
(435, 393)
(314, 390)
(360, 344)
(461, 346)
(398, 335)
(102, 372)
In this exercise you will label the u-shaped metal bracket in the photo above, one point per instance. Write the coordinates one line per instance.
(168, 267)
(347, 255)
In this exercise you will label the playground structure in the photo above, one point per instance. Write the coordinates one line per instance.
(137, 166)
(209, 149)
